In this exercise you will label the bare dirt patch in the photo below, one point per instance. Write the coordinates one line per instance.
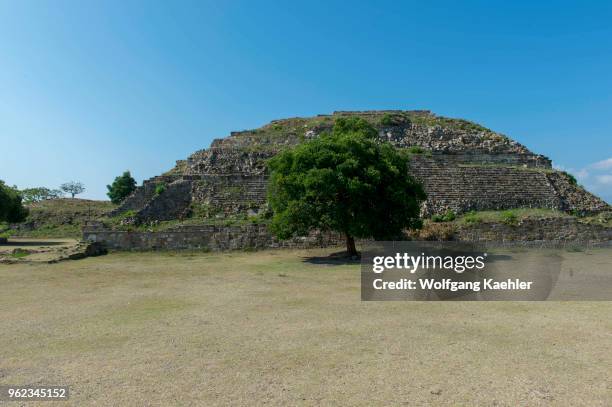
(31, 250)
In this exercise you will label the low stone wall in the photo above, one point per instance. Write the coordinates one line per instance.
(528, 232)
(205, 237)
(550, 231)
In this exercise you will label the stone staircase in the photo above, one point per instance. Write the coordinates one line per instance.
(231, 194)
(462, 188)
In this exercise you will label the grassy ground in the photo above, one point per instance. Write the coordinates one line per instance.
(61, 218)
(272, 328)
(518, 214)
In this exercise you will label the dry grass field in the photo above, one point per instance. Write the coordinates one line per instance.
(269, 328)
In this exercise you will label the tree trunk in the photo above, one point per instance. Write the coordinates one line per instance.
(350, 246)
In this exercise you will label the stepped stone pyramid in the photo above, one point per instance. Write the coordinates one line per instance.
(462, 165)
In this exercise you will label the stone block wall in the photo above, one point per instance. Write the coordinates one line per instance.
(483, 159)
(550, 231)
(575, 198)
(543, 232)
(204, 237)
(229, 160)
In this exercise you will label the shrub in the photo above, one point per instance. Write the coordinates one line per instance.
(127, 214)
(416, 150)
(436, 218)
(11, 207)
(472, 218)
(509, 218)
(121, 187)
(387, 120)
(448, 216)
(160, 188)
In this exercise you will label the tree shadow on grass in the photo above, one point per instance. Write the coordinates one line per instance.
(334, 259)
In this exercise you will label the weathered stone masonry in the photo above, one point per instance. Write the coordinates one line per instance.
(544, 232)
(463, 167)
(555, 231)
(205, 237)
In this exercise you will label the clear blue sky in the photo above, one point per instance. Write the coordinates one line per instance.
(89, 89)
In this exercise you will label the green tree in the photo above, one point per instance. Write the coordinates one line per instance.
(73, 188)
(346, 181)
(11, 207)
(31, 195)
(123, 186)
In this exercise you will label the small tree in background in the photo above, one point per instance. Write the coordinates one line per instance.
(11, 208)
(31, 195)
(73, 188)
(123, 186)
(348, 182)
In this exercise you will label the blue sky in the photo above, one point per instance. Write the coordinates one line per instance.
(90, 89)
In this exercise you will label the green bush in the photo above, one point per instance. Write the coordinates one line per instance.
(160, 188)
(121, 187)
(472, 218)
(509, 217)
(11, 207)
(416, 150)
(448, 216)
(127, 214)
(387, 120)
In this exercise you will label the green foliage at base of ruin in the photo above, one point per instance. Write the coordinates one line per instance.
(448, 216)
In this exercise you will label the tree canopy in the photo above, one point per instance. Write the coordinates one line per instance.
(73, 188)
(11, 207)
(347, 181)
(123, 186)
(37, 194)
